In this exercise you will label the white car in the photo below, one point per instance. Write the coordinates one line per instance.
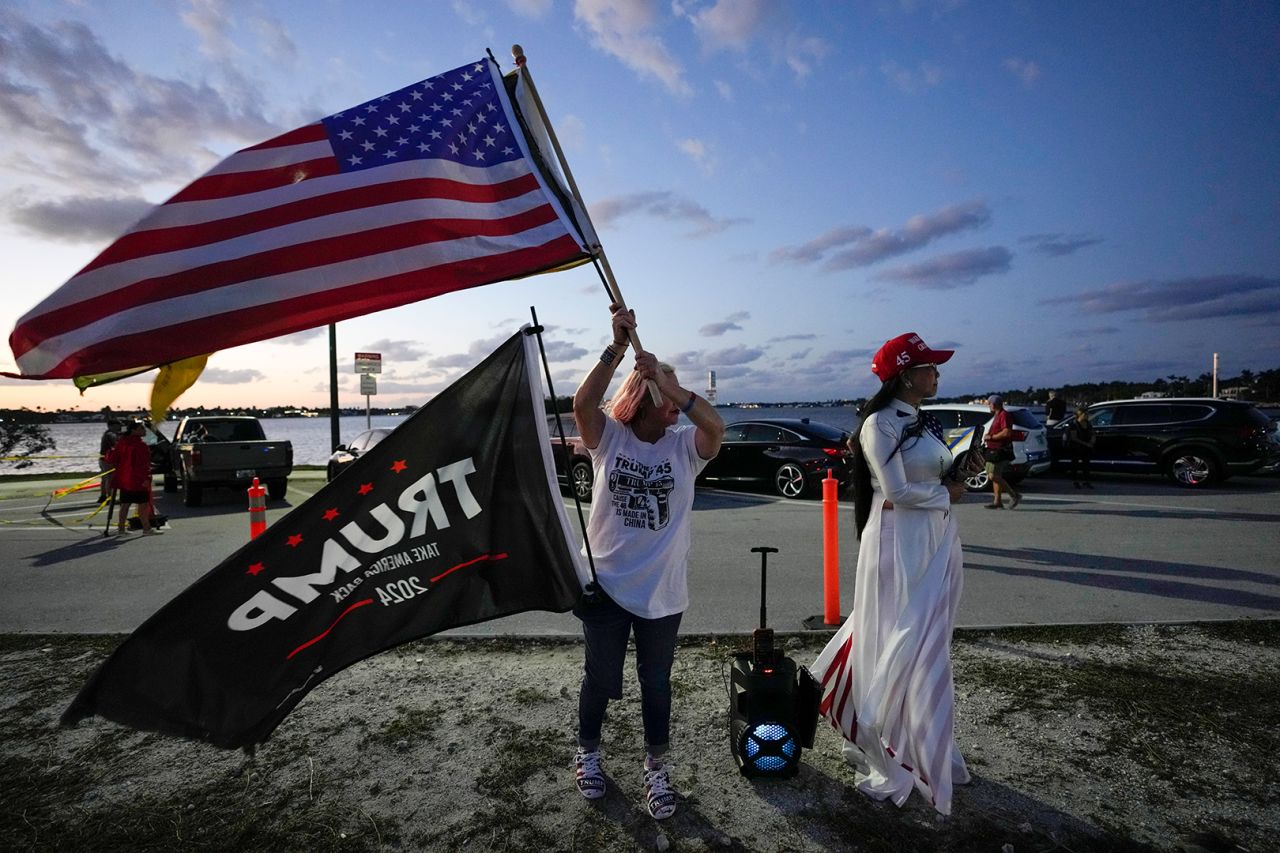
(1030, 439)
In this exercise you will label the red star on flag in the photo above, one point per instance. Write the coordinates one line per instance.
(295, 540)
(254, 568)
(330, 514)
(399, 466)
(366, 488)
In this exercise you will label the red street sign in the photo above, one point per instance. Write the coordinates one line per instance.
(368, 362)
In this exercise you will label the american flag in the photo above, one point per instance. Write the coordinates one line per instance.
(420, 192)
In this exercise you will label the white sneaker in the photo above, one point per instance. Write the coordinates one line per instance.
(659, 797)
(587, 773)
(155, 531)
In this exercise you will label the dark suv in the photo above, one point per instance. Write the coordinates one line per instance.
(1194, 442)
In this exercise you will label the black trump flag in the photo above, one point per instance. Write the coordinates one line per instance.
(454, 518)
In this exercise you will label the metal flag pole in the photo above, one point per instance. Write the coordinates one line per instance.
(597, 250)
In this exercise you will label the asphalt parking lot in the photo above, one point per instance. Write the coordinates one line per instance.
(1135, 549)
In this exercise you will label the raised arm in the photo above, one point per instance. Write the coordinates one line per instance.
(586, 402)
(704, 416)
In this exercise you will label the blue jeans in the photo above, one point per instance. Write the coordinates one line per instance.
(606, 628)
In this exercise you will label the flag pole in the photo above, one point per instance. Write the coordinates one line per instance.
(597, 250)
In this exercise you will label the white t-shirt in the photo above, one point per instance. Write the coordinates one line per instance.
(639, 527)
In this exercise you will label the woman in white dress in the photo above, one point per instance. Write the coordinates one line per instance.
(886, 675)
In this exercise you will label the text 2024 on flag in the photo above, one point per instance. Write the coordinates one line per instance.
(423, 191)
(454, 518)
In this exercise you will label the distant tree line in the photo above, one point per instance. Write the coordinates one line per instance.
(1261, 387)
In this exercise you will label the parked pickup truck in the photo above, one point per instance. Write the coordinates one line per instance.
(213, 450)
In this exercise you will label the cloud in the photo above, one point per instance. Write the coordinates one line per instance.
(572, 132)
(1025, 70)
(725, 90)
(802, 53)
(1182, 299)
(1058, 245)
(275, 39)
(302, 338)
(475, 353)
(924, 76)
(732, 355)
(563, 351)
(209, 20)
(819, 246)
(699, 152)
(729, 324)
(222, 376)
(954, 270)
(869, 247)
(395, 351)
(81, 118)
(621, 28)
(535, 9)
(80, 220)
(729, 23)
(662, 204)
(806, 336)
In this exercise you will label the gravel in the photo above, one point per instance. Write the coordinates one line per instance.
(1079, 738)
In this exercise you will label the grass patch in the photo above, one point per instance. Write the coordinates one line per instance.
(413, 725)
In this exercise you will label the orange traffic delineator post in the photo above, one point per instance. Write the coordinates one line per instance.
(257, 509)
(831, 550)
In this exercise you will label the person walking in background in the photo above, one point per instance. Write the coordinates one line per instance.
(109, 438)
(132, 460)
(1054, 410)
(1080, 441)
(639, 534)
(886, 676)
(998, 450)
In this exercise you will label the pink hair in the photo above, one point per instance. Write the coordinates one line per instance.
(631, 398)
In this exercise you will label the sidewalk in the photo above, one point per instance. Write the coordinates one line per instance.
(1080, 739)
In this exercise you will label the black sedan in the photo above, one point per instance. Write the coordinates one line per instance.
(348, 453)
(789, 455)
(573, 464)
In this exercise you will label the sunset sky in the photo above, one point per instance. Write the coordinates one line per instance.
(1061, 192)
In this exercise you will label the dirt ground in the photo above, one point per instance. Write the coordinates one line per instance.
(1079, 739)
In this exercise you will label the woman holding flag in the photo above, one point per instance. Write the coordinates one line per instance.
(645, 466)
(886, 675)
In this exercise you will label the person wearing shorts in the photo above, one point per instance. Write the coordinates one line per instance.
(132, 460)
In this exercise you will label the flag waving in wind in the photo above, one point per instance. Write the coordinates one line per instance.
(454, 518)
(430, 189)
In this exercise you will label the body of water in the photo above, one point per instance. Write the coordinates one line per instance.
(77, 444)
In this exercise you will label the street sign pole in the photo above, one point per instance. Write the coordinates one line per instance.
(367, 364)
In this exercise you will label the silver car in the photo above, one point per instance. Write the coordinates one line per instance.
(1030, 439)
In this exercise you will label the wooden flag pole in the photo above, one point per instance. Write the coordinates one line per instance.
(597, 251)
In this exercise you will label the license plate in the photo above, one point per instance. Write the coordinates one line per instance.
(245, 473)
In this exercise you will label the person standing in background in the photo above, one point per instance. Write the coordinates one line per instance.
(106, 482)
(998, 451)
(132, 460)
(1080, 441)
(1054, 410)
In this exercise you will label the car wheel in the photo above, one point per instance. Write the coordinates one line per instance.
(580, 479)
(170, 483)
(277, 489)
(192, 495)
(977, 482)
(789, 480)
(1193, 468)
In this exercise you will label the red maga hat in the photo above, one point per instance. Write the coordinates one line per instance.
(904, 352)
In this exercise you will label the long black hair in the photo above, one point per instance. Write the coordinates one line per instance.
(861, 470)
